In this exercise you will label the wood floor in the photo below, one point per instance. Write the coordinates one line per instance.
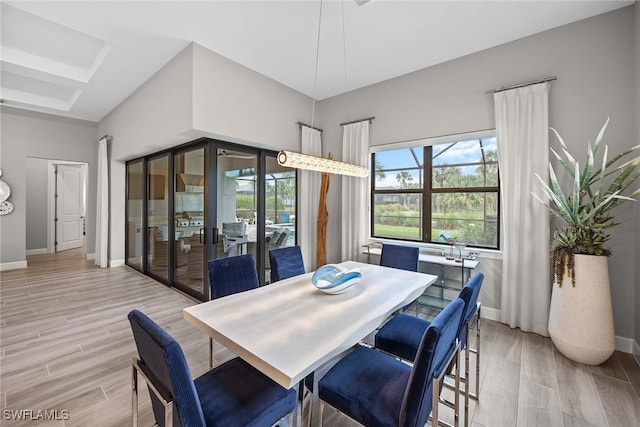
(66, 348)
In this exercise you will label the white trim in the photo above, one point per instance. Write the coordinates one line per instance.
(623, 344)
(51, 198)
(421, 142)
(91, 256)
(40, 251)
(51, 206)
(490, 313)
(13, 265)
(115, 262)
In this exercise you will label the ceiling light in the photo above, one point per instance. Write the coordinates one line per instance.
(304, 161)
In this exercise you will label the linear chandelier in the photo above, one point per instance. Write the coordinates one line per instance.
(304, 161)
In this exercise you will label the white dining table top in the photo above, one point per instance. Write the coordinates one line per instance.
(288, 329)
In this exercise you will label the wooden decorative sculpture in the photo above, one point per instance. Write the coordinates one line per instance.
(323, 218)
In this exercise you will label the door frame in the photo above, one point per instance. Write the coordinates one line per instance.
(51, 200)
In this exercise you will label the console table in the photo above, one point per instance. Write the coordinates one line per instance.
(443, 284)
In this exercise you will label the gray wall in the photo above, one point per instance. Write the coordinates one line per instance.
(593, 60)
(36, 212)
(28, 134)
(198, 93)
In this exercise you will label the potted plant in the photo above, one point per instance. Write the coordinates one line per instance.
(581, 317)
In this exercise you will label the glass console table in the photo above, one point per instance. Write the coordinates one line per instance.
(446, 288)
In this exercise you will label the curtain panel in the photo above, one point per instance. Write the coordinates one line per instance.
(102, 208)
(355, 191)
(309, 193)
(522, 127)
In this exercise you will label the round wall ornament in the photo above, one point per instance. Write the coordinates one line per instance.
(6, 207)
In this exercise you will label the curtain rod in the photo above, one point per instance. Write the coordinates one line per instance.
(533, 82)
(300, 124)
(109, 138)
(368, 119)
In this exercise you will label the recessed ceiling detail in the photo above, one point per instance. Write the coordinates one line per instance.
(45, 64)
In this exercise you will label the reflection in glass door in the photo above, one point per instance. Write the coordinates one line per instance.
(280, 212)
(158, 217)
(189, 216)
(135, 213)
(237, 203)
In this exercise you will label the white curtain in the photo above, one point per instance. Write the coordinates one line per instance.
(311, 143)
(355, 191)
(522, 125)
(102, 206)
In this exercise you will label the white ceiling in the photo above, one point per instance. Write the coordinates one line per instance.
(81, 59)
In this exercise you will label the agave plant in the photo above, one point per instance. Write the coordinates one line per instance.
(586, 208)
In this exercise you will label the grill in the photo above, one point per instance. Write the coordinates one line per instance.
(195, 218)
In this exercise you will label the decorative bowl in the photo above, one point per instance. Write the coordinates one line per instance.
(335, 279)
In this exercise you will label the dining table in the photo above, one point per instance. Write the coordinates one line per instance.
(289, 328)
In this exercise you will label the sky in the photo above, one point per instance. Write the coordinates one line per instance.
(462, 152)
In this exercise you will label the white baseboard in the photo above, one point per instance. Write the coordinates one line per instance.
(91, 256)
(625, 345)
(116, 262)
(13, 265)
(41, 251)
(490, 313)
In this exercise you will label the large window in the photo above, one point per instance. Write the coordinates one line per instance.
(430, 193)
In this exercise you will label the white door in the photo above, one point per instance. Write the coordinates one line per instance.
(69, 207)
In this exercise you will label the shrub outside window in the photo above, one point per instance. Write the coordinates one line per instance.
(429, 193)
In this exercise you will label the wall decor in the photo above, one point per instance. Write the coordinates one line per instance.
(6, 207)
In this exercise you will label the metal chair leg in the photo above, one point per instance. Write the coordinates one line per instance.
(321, 413)
(435, 399)
(134, 395)
(210, 353)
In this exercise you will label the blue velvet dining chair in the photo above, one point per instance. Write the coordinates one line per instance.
(399, 256)
(286, 262)
(228, 276)
(232, 394)
(401, 335)
(378, 390)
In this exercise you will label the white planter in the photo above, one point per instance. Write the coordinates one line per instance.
(581, 317)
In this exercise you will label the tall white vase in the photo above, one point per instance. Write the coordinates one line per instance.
(581, 317)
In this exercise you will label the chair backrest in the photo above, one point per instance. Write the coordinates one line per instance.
(163, 361)
(469, 294)
(437, 343)
(398, 256)
(286, 262)
(232, 275)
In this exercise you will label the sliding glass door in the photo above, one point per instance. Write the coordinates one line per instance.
(206, 200)
(158, 237)
(189, 215)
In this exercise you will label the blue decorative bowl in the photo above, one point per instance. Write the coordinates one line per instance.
(335, 279)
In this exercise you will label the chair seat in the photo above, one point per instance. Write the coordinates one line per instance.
(401, 336)
(368, 385)
(236, 394)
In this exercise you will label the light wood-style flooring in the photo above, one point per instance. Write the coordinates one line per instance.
(66, 346)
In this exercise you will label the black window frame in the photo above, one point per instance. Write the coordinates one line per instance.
(427, 190)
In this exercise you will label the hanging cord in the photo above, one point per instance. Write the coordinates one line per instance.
(344, 58)
(315, 74)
